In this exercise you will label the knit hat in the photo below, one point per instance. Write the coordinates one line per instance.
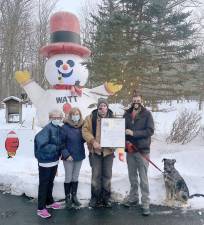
(55, 113)
(102, 100)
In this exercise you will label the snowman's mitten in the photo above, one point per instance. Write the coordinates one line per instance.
(112, 88)
(22, 76)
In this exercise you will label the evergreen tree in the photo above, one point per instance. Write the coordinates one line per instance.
(107, 45)
(142, 44)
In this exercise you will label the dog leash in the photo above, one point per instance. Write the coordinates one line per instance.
(153, 164)
(167, 175)
(149, 160)
(146, 158)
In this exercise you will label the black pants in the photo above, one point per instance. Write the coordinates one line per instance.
(46, 179)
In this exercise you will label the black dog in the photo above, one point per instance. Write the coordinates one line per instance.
(176, 188)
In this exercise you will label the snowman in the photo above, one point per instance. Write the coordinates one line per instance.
(65, 72)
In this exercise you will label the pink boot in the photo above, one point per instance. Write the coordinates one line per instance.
(55, 205)
(43, 213)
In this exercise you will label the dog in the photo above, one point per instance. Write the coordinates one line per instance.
(176, 187)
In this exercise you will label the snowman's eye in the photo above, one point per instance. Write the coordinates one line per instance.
(59, 63)
(71, 63)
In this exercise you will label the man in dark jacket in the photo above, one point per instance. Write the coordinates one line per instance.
(101, 159)
(49, 143)
(139, 129)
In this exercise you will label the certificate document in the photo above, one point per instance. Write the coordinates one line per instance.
(113, 132)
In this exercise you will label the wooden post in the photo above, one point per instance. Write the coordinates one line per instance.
(33, 123)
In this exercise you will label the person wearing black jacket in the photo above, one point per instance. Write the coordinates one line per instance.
(139, 129)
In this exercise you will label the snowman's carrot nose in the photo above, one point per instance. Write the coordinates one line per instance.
(65, 66)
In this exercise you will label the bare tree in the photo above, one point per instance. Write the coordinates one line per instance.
(15, 28)
(87, 27)
(24, 29)
(40, 37)
(185, 128)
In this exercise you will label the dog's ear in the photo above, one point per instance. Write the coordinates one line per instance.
(163, 159)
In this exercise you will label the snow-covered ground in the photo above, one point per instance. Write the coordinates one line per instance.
(19, 175)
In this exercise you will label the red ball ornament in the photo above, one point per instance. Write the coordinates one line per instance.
(11, 144)
(66, 108)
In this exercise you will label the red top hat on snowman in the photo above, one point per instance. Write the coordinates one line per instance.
(65, 36)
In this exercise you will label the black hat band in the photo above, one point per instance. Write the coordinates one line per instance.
(65, 36)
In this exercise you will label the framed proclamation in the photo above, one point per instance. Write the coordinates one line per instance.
(113, 132)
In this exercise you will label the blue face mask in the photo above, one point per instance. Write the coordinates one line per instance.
(57, 122)
(75, 118)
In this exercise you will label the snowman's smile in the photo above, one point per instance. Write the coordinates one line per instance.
(65, 75)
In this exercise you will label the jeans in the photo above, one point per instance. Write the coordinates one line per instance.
(101, 175)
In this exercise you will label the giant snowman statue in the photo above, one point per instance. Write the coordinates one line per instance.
(65, 71)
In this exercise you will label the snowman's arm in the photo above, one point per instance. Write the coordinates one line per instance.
(100, 90)
(106, 89)
(34, 91)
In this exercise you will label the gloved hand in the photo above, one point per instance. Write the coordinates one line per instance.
(112, 88)
(130, 147)
(22, 76)
(70, 158)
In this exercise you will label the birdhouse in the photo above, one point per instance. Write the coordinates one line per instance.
(13, 109)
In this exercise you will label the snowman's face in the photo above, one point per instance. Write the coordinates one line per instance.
(66, 69)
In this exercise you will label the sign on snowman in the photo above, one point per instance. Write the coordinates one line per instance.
(65, 71)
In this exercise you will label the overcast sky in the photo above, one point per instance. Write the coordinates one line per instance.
(69, 5)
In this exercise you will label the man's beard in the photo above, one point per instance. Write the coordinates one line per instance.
(136, 106)
(102, 114)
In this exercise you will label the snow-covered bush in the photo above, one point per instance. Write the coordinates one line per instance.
(185, 128)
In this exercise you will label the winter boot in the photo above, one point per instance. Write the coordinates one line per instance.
(107, 203)
(67, 191)
(93, 202)
(74, 194)
(146, 211)
(96, 197)
(106, 199)
(127, 202)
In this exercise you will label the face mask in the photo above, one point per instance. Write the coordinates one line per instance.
(57, 122)
(75, 118)
(136, 106)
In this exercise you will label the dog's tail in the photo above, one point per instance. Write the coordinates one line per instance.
(196, 195)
